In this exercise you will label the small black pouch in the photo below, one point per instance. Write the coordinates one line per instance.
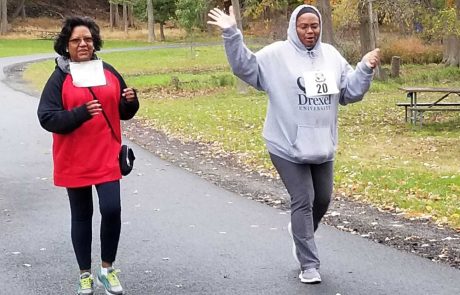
(126, 156)
(126, 159)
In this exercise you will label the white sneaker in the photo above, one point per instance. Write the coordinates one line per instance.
(109, 281)
(294, 249)
(86, 284)
(310, 276)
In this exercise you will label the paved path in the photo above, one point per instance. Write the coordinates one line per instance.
(180, 234)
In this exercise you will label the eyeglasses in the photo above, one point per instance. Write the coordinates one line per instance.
(77, 41)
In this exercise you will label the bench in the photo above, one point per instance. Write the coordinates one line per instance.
(416, 108)
(419, 111)
(428, 105)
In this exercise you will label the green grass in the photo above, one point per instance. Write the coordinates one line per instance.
(229, 121)
(17, 47)
(168, 60)
(185, 80)
(381, 159)
(110, 44)
(24, 47)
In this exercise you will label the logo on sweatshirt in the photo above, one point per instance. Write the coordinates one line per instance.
(317, 103)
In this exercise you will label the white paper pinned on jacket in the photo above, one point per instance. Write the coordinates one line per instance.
(87, 73)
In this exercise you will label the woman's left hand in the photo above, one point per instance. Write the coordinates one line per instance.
(129, 94)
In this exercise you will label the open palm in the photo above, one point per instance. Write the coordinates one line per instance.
(220, 19)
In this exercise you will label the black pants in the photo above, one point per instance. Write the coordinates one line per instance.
(81, 207)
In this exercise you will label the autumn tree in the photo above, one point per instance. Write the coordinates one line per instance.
(20, 10)
(164, 10)
(189, 15)
(367, 28)
(114, 14)
(397, 14)
(273, 13)
(127, 14)
(324, 6)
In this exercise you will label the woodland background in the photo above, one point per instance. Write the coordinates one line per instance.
(419, 31)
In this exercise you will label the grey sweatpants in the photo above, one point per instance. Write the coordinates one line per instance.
(310, 188)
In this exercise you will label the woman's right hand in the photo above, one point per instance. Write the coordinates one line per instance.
(220, 19)
(372, 58)
(93, 107)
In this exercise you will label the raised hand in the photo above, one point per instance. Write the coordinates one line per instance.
(220, 19)
(372, 58)
(129, 94)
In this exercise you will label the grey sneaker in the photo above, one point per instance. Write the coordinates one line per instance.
(86, 284)
(310, 276)
(294, 249)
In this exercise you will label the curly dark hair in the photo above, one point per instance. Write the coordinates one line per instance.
(62, 40)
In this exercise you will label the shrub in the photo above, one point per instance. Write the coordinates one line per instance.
(223, 80)
(411, 50)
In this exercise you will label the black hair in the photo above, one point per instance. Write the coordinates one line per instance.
(62, 40)
(307, 10)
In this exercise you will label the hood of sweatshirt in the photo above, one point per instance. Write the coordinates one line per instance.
(293, 38)
(63, 63)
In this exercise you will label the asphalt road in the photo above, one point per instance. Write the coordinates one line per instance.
(180, 234)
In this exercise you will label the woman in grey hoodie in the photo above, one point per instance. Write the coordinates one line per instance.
(305, 80)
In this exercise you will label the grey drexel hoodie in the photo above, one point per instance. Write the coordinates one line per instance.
(297, 128)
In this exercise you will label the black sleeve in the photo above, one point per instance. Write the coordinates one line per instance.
(51, 113)
(127, 108)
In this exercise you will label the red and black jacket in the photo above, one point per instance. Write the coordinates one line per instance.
(85, 150)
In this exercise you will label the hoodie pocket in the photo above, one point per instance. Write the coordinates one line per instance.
(313, 144)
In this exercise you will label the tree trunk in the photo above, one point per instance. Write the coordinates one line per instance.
(162, 31)
(241, 87)
(364, 32)
(116, 16)
(19, 9)
(131, 16)
(3, 17)
(452, 45)
(151, 21)
(324, 7)
(125, 18)
(395, 66)
(451, 51)
(236, 10)
(112, 16)
(366, 28)
(367, 31)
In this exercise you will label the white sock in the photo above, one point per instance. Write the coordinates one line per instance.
(104, 271)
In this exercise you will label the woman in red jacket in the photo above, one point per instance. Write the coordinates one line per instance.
(85, 147)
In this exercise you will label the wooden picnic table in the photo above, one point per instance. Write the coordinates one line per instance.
(416, 108)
